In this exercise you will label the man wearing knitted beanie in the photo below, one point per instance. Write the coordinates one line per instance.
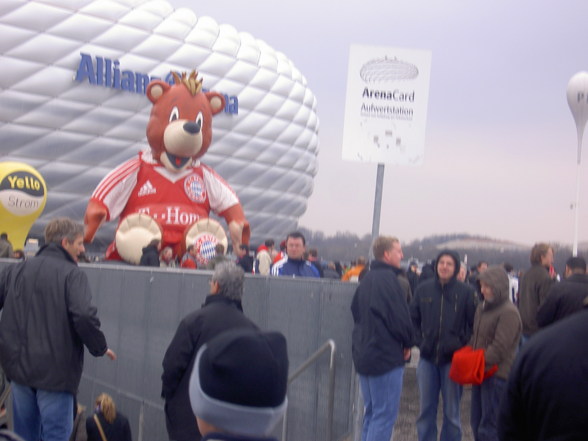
(238, 385)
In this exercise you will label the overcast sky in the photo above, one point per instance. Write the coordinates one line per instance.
(500, 154)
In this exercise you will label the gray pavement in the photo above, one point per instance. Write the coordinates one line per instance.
(405, 429)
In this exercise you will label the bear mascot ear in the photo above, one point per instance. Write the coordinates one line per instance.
(156, 89)
(217, 102)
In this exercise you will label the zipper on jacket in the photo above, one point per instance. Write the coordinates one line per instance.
(440, 325)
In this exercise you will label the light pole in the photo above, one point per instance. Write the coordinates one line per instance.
(577, 93)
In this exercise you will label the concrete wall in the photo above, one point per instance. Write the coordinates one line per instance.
(140, 309)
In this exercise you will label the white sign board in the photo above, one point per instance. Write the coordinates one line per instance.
(386, 105)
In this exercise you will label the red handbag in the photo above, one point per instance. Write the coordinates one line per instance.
(467, 366)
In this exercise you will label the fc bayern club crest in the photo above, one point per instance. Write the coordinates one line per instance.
(204, 244)
(194, 188)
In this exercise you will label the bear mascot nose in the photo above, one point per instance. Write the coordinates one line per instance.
(192, 127)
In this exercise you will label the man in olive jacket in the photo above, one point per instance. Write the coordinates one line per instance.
(47, 318)
(442, 311)
(382, 338)
(535, 286)
(497, 330)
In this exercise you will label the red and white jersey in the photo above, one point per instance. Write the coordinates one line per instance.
(175, 201)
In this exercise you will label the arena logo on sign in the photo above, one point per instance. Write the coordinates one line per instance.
(194, 188)
(101, 71)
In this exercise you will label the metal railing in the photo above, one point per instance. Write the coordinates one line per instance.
(328, 345)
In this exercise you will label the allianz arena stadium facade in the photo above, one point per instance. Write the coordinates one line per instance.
(72, 103)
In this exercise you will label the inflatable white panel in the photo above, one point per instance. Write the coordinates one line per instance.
(72, 102)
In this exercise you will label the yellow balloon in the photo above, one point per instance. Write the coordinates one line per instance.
(23, 194)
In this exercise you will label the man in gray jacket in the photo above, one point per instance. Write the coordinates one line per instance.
(47, 318)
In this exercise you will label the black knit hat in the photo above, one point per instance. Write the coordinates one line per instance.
(239, 381)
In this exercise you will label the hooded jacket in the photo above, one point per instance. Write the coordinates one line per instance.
(442, 314)
(497, 324)
(47, 292)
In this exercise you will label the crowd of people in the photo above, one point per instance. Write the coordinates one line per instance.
(525, 392)
(6, 249)
(225, 379)
(292, 258)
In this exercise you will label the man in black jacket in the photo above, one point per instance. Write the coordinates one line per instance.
(150, 256)
(442, 311)
(567, 297)
(545, 397)
(221, 311)
(47, 318)
(381, 340)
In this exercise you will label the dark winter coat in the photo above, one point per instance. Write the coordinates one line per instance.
(246, 262)
(118, 430)
(564, 298)
(218, 314)
(150, 256)
(533, 291)
(545, 398)
(382, 327)
(442, 315)
(47, 318)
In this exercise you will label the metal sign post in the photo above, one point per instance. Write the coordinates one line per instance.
(377, 203)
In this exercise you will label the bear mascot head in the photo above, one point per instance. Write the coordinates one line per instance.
(180, 127)
(165, 195)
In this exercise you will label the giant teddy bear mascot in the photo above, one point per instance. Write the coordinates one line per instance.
(166, 193)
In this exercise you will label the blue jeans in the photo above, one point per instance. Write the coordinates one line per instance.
(485, 403)
(432, 380)
(381, 398)
(41, 414)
